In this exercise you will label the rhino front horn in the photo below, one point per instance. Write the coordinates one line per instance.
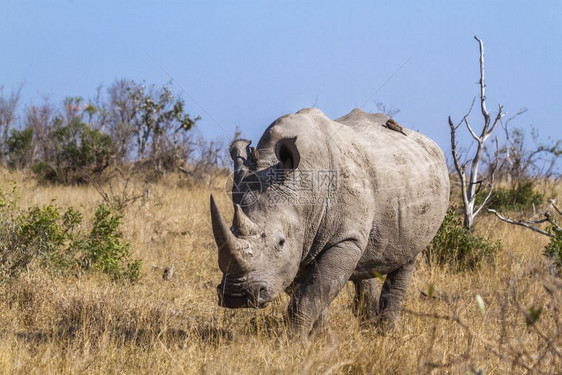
(229, 260)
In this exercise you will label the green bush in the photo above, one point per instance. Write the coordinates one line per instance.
(18, 147)
(459, 248)
(45, 234)
(51, 238)
(105, 249)
(44, 171)
(40, 234)
(78, 153)
(522, 197)
(83, 147)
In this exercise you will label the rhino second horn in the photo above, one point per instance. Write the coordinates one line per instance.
(230, 259)
(242, 224)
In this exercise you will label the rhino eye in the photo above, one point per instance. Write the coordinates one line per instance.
(281, 241)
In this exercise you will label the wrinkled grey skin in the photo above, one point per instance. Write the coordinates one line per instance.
(388, 201)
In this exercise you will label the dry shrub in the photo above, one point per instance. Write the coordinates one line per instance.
(520, 325)
(121, 186)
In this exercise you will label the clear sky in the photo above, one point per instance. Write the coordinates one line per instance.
(248, 62)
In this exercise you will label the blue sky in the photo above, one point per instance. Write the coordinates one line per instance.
(248, 62)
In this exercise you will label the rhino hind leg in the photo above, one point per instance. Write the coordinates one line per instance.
(393, 293)
(366, 301)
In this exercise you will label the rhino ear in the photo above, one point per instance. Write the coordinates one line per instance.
(287, 153)
(239, 152)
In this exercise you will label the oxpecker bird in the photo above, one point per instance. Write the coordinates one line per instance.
(393, 125)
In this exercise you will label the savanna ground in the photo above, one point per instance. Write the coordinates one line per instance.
(89, 324)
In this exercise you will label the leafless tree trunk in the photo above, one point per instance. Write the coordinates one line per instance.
(7, 115)
(471, 184)
(39, 118)
(123, 106)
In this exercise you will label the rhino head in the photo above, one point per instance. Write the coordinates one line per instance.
(260, 253)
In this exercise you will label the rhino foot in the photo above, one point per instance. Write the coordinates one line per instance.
(393, 293)
(366, 301)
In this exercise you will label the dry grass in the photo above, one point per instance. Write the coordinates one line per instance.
(53, 324)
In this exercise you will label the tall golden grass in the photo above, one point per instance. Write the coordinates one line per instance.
(89, 324)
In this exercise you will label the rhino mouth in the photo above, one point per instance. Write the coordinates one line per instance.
(234, 294)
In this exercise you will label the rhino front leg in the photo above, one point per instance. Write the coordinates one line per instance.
(393, 293)
(325, 280)
(320, 326)
(366, 300)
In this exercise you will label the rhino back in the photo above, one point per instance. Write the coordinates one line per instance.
(395, 184)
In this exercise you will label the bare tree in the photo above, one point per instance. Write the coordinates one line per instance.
(7, 115)
(122, 108)
(39, 118)
(522, 162)
(472, 183)
(389, 110)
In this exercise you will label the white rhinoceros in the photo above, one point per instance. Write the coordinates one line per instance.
(320, 202)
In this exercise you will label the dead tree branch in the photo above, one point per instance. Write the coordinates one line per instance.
(521, 223)
(471, 184)
(519, 113)
(552, 202)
